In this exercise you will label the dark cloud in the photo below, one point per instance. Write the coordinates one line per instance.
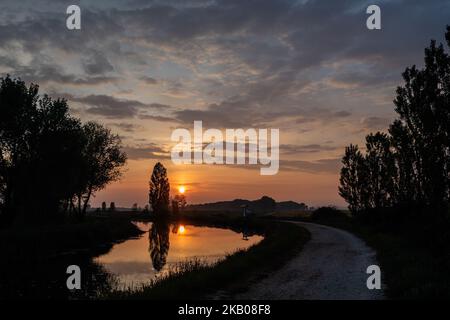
(149, 151)
(318, 166)
(291, 149)
(96, 64)
(332, 166)
(237, 112)
(273, 35)
(159, 106)
(45, 72)
(269, 35)
(376, 123)
(127, 127)
(365, 76)
(111, 107)
(157, 118)
(341, 114)
(108, 106)
(213, 117)
(149, 80)
(268, 53)
(244, 112)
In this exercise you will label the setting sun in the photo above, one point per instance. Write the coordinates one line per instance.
(181, 230)
(182, 189)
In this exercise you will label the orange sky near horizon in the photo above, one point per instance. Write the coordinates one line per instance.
(210, 183)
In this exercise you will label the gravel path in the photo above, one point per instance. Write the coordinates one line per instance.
(332, 265)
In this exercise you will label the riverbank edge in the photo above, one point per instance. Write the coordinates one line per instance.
(92, 236)
(36, 244)
(235, 273)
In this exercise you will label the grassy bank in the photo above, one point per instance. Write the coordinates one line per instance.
(411, 269)
(194, 279)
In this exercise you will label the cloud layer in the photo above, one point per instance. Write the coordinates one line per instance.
(308, 67)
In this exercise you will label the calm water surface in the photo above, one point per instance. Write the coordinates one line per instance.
(136, 261)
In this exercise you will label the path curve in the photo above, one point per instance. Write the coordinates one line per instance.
(332, 265)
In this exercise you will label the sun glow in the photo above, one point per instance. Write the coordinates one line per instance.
(181, 229)
(182, 189)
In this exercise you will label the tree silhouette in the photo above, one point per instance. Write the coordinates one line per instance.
(102, 162)
(407, 184)
(159, 191)
(380, 170)
(175, 207)
(41, 143)
(178, 203)
(49, 159)
(423, 105)
(2, 184)
(159, 244)
(352, 179)
(410, 167)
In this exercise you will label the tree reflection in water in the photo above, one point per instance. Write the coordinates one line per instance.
(159, 244)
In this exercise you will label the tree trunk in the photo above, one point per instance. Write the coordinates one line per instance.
(79, 206)
(86, 201)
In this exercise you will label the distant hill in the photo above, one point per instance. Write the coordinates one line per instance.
(261, 206)
(291, 206)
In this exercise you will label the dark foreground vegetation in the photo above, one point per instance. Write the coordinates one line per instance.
(398, 189)
(35, 259)
(195, 279)
(402, 180)
(51, 163)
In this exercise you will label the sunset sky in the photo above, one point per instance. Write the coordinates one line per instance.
(143, 68)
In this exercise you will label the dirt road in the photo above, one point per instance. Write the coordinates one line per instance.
(332, 265)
